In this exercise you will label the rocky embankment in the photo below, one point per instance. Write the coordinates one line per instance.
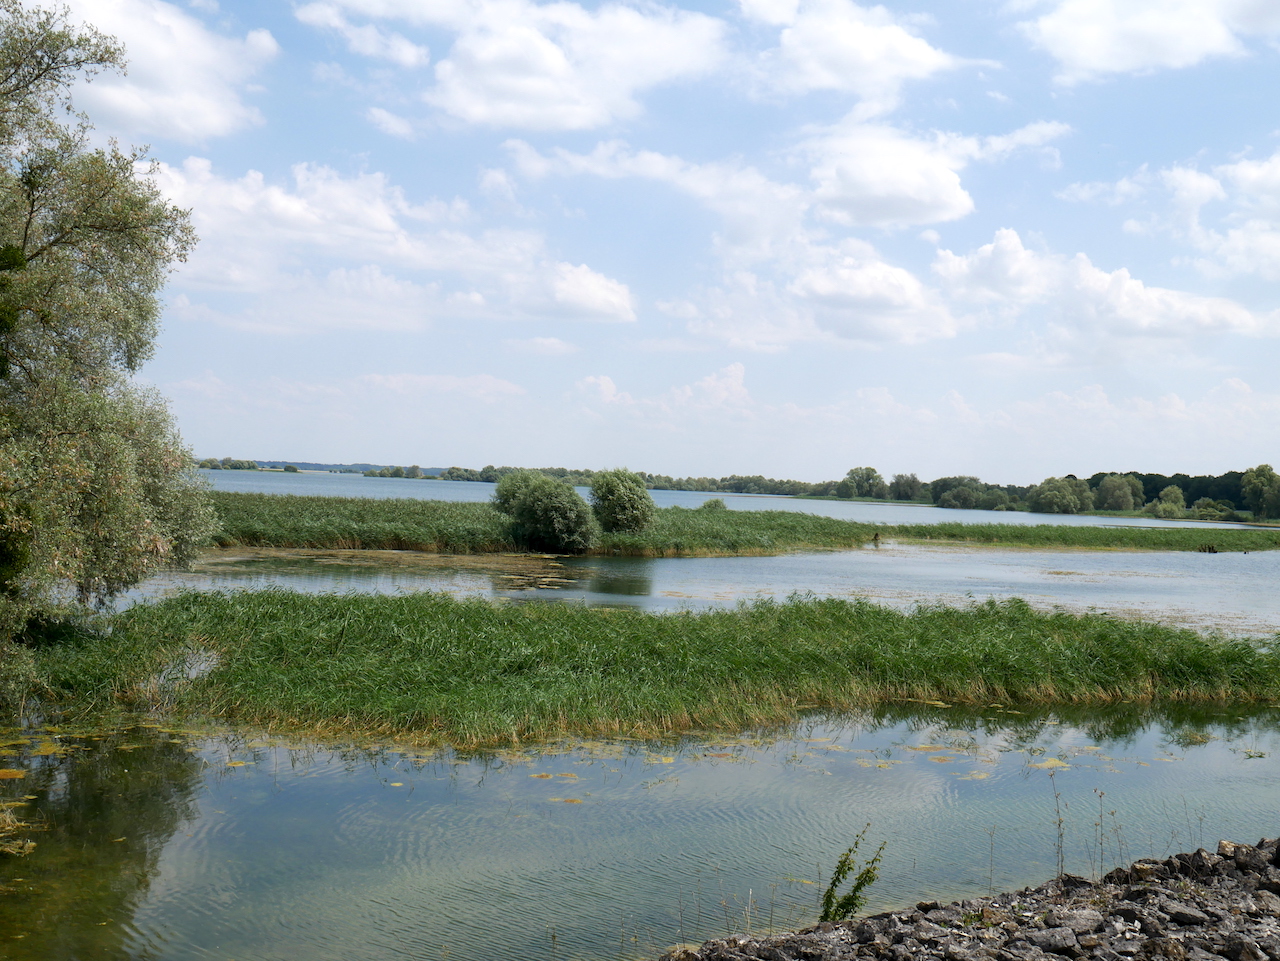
(1200, 906)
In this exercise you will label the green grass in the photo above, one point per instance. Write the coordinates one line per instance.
(1098, 538)
(273, 520)
(470, 672)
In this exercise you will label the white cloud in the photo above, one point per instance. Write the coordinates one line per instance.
(331, 251)
(552, 66)
(722, 392)
(840, 45)
(390, 124)
(1094, 38)
(184, 81)
(1079, 297)
(780, 283)
(858, 296)
(367, 40)
(877, 175)
(759, 214)
(1230, 215)
(593, 295)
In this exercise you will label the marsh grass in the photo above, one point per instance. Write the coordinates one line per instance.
(470, 672)
(349, 523)
(1222, 539)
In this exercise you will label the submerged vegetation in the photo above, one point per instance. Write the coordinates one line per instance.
(349, 523)
(470, 671)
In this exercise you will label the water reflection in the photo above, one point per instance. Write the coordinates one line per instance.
(216, 844)
(107, 805)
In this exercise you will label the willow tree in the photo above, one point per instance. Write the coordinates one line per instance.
(96, 488)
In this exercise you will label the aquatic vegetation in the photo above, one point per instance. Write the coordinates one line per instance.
(470, 671)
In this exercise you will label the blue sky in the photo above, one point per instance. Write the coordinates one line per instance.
(785, 237)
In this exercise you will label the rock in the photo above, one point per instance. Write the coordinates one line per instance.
(1056, 940)
(1185, 914)
(1219, 907)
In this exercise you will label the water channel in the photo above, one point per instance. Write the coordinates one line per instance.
(167, 844)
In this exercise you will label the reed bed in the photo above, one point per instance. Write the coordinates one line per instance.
(470, 672)
(1097, 538)
(349, 523)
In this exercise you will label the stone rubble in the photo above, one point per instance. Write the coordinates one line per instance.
(1191, 907)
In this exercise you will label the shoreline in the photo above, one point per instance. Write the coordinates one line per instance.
(1223, 906)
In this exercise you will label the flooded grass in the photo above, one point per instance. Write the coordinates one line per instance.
(349, 523)
(470, 672)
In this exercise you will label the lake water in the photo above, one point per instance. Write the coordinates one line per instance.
(319, 484)
(1230, 592)
(167, 844)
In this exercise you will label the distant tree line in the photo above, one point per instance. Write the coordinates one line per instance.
(1204, 497)
(227, 463)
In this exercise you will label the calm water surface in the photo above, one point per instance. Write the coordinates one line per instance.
(166, 844)
(357, 485)
(1234, 593)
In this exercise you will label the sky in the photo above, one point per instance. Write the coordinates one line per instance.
(784, 237)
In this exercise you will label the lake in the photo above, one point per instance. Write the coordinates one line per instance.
(169, 844)
(323, 484)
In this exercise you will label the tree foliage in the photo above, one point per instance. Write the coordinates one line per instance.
(620, 501)
(96, 488)
(863, 482)
(1060, 495)
(1170, 504)
(905, 487)
(546, 515)
(1260, 487)
(1118, 492)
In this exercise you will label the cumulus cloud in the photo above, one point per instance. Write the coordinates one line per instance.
(840, 45)
(549, 66)
(1077, 296)
(185, 81)
(367, 40)
(332, 251)
(877, 175)
(858, 296)
(1091, 39)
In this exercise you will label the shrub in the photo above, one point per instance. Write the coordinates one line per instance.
(548, 515)
(621, 502)
(714, 504)
(512, 487)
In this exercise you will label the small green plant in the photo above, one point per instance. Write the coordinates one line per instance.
(836, 907)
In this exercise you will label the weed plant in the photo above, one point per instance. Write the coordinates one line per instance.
(470, 671)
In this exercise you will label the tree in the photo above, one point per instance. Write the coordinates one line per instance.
(1260, 488)
(620, 501)
(1169, 504)
(939, 487)
(96, 488)
(1060, 495)
(905, 487)
(1118, 492)
(546, 515)
(863, 482)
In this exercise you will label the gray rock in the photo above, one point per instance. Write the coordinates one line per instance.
(1185, 914)
(1060, 940)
